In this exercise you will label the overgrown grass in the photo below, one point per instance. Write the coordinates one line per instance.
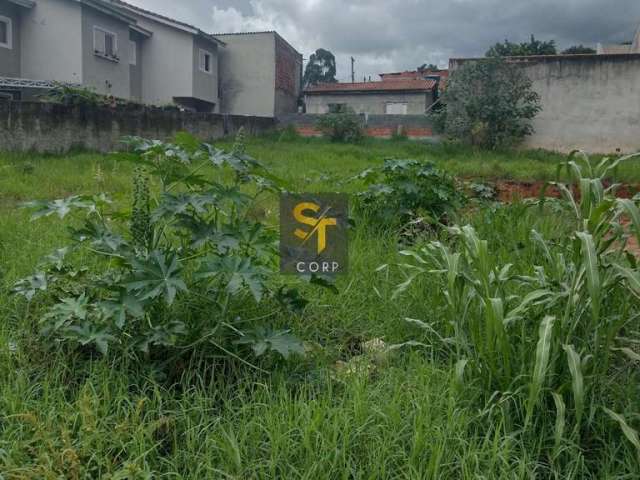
(404, 415)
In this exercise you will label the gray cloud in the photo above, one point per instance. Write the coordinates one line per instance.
(385, 35)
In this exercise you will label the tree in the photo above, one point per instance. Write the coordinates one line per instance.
(489, 103)
(532, 47)
(431, 67)
(577, 50)
(321, 68)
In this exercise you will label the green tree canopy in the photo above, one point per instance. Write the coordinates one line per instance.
(489, 103)
(532, 47)
(432, 67)
(578, 49)
(321, 68)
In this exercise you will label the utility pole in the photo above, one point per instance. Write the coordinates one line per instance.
(353, 72)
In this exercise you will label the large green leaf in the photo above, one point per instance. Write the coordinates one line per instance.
(157, 275)
(28, 287)
(61, 207)
(238, 273)
(263, 340)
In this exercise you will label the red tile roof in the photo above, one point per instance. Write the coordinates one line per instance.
(410, 84)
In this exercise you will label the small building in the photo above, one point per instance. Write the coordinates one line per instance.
(628, 47)
(261, 74)
(402, 96)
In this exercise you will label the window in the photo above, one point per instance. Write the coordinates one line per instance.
(105, 43)
(205, 61)
(133, 53)
(337, 108)
(395, 108)
(6, 34)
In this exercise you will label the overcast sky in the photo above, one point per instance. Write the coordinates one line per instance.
(391, 35)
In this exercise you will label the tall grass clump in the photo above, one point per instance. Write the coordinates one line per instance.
(551, 337)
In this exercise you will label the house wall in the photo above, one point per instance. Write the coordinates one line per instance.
(588, 102)
(288, 77)
(10, 57)
(50, 37)
(205, 85)
(135, 71)
(247, 74)
(106, 76)
(371, 103)
(167, 63)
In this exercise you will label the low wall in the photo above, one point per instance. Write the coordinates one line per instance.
(53, 128)
(589, 102)
(381, 126)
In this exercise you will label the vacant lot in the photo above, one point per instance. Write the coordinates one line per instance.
(471, 395)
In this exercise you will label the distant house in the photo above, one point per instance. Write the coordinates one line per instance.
(261, 74)
(392, 96)
(627, 47)
(122, 50)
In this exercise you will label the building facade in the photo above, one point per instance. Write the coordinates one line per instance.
(261, 74)
(122, 50)
(409, 96)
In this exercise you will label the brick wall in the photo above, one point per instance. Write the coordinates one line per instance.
(43, 127)
(380, 126)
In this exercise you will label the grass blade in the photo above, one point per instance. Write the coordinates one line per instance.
(630, 433)
(543, 352)
(560, 419)
(577, 380)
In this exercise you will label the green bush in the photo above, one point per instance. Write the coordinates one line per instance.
(341, 127)
(551, 337)
(402, 191)
(186, 266)
(488, 103)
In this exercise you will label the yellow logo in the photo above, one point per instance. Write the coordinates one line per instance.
(319, 224)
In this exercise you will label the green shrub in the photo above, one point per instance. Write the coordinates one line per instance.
(406, 190)
(551, 335)
(341, 127)
(185, 267)
(489, 103)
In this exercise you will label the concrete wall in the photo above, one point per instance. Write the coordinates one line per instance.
(106, 76)
(590, 102)
(10, 57)
(135, 71)
(371, 103)
(42, 127)
(205, 85)
(247, 73)
(167, 63)
(51, 45)
(381, 126)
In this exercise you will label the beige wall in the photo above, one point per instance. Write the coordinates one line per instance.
(105, 76)
(51, 41)
(205, 85)
(588, 102)
(247, 74)
(167, 63)
(372, 103)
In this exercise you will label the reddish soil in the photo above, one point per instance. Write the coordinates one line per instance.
(510, 190)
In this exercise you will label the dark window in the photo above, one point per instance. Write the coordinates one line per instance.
(337, 107)
(4, 32)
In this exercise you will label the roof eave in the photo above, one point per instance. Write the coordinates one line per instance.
(110, 10)
(23, 3)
